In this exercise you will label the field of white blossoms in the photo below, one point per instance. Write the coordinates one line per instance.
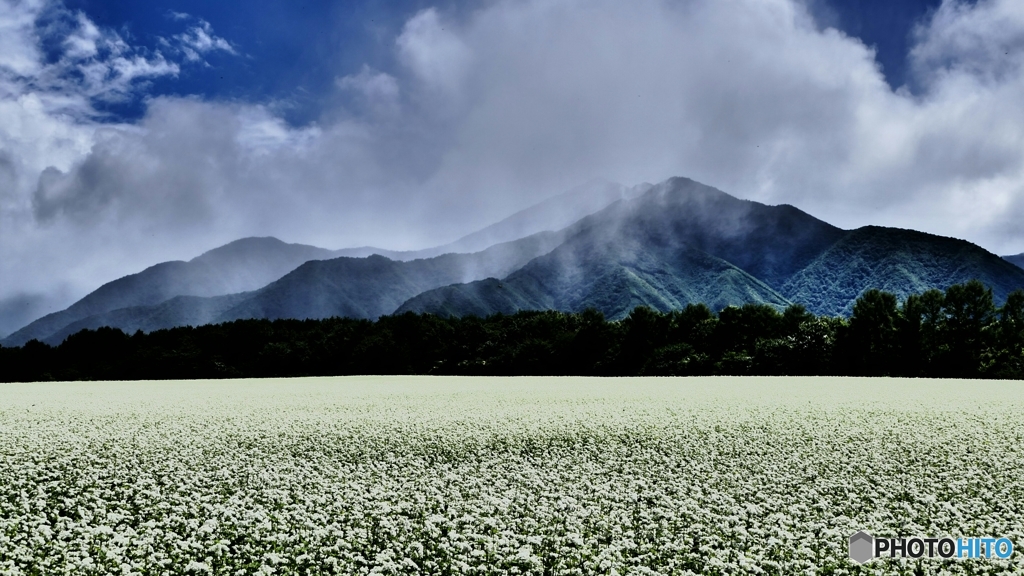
(503, 476)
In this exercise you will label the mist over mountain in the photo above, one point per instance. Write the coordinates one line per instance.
(676, 244)
(769, 242)
(555, 213)
(239, 266)
(251, 263)
(666, 249)
(552, 214)
(575, 277)
(663, 246)
(352, 287)
(245, 261)
(20, 309)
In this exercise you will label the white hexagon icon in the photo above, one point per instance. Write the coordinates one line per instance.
(862, 547)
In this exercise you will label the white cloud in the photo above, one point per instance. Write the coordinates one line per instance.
(750, 96)
(985, 41)
(19, 53)
(95, 64)
(376, 91)
(82, 42)
(497, 108)
(48, 126)
(115, 78)
(434, 51)
(200, 39)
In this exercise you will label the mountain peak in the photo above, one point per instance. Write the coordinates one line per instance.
(240, 266)
(660, 245)
(258, 245)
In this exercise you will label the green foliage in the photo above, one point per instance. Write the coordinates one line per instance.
(969, 312)
(959, 333)
(1008, 359)
(920, 321)
(902, 262)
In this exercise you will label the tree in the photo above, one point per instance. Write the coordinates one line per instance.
(101, 354)
(920, 325)
(591, 347)
(694, 325)
(644, 330)
(873, 333)
(1008, 358)
(968, 310)
(793, 317)
(739, 329)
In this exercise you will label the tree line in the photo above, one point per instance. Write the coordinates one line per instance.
(958, 333)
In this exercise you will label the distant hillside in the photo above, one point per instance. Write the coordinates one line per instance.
(771, 243)
(252, 263)
(685, 242)
(662, 246)
(350, 287)
(900, 261)
(240, 266)
(177, 311)
(374, 286)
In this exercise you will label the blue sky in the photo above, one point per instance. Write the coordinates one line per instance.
(138, 132)
(290, 53)
(885, 24)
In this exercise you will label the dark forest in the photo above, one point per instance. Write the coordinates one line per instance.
(959, 333)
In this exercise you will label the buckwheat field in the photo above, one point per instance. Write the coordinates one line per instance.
(503, 476)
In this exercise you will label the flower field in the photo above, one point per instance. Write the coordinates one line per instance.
(414, 475)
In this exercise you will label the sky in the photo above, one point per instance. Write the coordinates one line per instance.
(138, 132)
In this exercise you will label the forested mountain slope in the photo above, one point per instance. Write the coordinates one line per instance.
(900, 261)
(681, 242)
(667, 248)
(349, 287)
(676, 243)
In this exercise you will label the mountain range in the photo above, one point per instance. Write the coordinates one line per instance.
(602, 245)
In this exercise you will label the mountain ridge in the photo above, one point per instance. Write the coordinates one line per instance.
(900, 261)
(239, 266)
(664, 246)
(344, 286)
(662, 249)
(800, 258)
(180, 278)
